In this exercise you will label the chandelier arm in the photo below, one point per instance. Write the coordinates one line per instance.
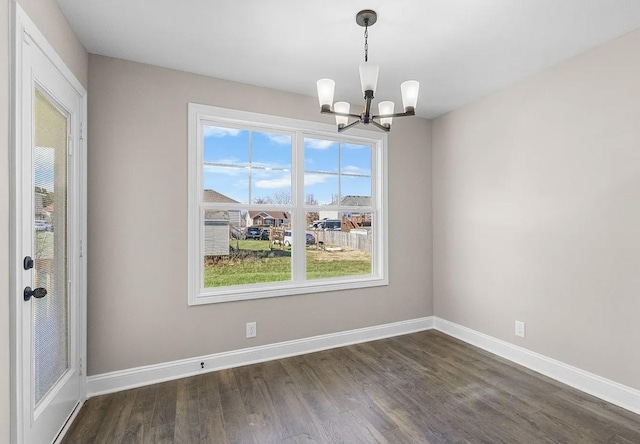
(379, 125)
(404, 114)
(335, 113)
(346, 127)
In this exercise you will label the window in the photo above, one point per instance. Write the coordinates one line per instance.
(280, 206)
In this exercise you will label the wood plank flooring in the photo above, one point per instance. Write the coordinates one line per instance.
(420, 388)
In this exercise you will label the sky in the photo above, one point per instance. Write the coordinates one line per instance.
(244, 165)
(44, 167)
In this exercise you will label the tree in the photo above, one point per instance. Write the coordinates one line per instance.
(282, 198)
(262, 200)
(310, 200)
(312, 216)
(279, 198)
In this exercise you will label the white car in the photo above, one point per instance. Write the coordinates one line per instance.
(288, 240)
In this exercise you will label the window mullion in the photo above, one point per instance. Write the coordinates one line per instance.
(250, 147)
(298, 254)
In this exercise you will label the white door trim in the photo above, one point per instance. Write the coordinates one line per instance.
(24, 31)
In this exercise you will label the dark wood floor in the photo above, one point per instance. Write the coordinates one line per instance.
(423, 387)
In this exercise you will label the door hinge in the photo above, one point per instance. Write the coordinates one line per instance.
(70, 145)
(80, 367)
(81, 253)
(81, 131)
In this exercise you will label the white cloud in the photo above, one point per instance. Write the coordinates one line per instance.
(280, 139)
(315, 179)
(217, 131)
(282, 182)
(229, 161)
(352, 169)
(352, 146)
(318, 144)
(224, 170)
(270, 166)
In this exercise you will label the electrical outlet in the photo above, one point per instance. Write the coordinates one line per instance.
(520, 329)
(251, 330)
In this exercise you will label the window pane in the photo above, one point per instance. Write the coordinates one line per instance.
(230, 182)
(343, 245)
(226, 146)
(237, 252)
(323, 187)
(355, 159)
(321, 155)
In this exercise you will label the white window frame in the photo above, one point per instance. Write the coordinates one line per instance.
(200, 115)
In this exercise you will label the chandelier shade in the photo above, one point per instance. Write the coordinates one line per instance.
(342, 108)
(369, 77)
(369, 83)
(326, 88)
(386, 108)
(409, 91)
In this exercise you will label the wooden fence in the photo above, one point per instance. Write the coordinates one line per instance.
(353, 241)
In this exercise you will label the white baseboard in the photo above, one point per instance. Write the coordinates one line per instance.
(613, 392)
(610, 391)
(151, 374)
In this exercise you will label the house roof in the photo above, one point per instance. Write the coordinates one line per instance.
(270, 214)
(356, 201)
(214, 196)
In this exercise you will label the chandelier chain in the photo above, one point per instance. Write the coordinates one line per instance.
(366, 41)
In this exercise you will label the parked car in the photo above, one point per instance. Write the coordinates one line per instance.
(327, 225)
(43, 225)
(257, 233)
(288, 239)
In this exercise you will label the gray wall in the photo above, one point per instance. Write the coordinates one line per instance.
(47, 16)
(53, 25)
(137, 261)
(536, 211)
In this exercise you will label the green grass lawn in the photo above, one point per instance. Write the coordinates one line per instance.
(276, 266)
(323, 264)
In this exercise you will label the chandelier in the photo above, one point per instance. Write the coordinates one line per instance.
(368, 81)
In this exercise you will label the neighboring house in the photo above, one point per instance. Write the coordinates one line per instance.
(219, 224)
(356, 201)
(38, 199)
(347, 201)
(271, 218)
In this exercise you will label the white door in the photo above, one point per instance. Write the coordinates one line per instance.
(48, 228)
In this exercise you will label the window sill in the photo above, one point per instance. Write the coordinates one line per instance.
(249, 292)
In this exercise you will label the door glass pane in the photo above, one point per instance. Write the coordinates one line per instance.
(50, 314)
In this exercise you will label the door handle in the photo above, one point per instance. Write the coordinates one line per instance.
(36, 293)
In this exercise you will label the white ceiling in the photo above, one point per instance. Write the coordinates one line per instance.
(459, 50)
